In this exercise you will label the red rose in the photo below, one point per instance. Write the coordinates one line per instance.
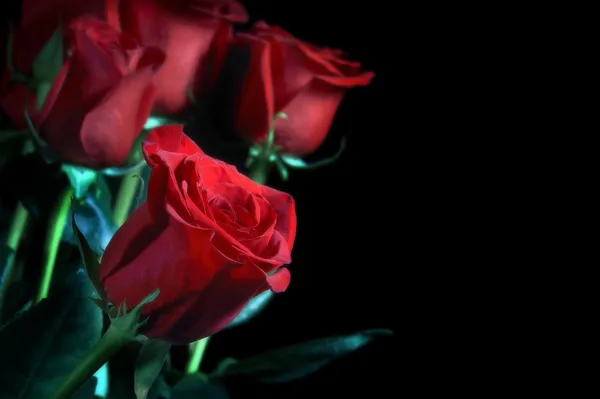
(291, 76)
(194, 34)
(208, 237)
(99, 101)
(38, 22)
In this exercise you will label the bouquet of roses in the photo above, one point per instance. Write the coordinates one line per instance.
(95, 95)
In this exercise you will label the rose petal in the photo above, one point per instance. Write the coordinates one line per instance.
(162, 187)
(187, 44)
(169, 138)
(229, 10)
(280, 280)
(256, 101)
(284, 206)
(110, 129)
(204, 312)
(312, 110)
(129, 240)
(179, 261)
(349, 81)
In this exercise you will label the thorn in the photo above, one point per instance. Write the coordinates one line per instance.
(142, 323)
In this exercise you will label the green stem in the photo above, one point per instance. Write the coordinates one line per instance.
(127, 192)
(15, 234)
(109, 344)
(17, 227)
(56, 226)
(197, 350)
(260, 168)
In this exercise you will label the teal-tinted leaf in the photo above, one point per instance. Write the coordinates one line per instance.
(148, 365)
(143, 190)
(101, 376)
(122, 371)
(254, 307)
(156, 121)
(102, 195)
(87, 390)
(282, 169)
(81, 179)
(160, 389)
(15, 297)
(136, 154)
(123, 170)
(293, 161)
(55, 335)
(297, 163)
(90, 261)
(94, 219)
(196, 386)
(299, 360)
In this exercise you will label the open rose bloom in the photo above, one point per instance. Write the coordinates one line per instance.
(208, 237)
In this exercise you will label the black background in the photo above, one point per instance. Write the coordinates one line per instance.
(347, 260)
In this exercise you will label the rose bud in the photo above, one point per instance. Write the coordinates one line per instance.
(39, 21)
(207, 237)
(194, 34)
(287, 75)
(96, 105)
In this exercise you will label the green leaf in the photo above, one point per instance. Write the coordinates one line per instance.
(299, 360)
(81, 179)
(148, 366)
(49, 61)
(91, 263)
(196, 386)
(55, 335)
(47, 65)
(253, 308)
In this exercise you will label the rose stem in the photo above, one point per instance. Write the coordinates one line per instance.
(56, 226)
(18, 226)
(15, 234)
(109, 344)
(259, 171)
(197, 350)
(127, 192)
